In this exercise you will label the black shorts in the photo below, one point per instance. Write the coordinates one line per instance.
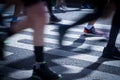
(30, 2)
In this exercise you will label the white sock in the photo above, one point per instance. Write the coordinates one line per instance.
(89, 26)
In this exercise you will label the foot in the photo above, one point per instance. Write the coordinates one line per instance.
(112, 53)
(59, 10)
(54, 19)
(63, 6)
(44, 73)
(93, 31)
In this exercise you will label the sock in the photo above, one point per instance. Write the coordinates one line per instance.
(39, 55)
(38, 64)
(89, 26)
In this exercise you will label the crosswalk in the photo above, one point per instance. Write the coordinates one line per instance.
(78, 59)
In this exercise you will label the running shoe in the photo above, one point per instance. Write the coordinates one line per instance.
(44, 73)
(59, 10)
(112, 53)
(92, 31)
(54, 19)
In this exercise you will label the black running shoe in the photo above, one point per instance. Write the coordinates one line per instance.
(44, 73)
(112, 53)
(54, 19)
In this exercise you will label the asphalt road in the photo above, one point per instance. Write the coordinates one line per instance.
(78, 59)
